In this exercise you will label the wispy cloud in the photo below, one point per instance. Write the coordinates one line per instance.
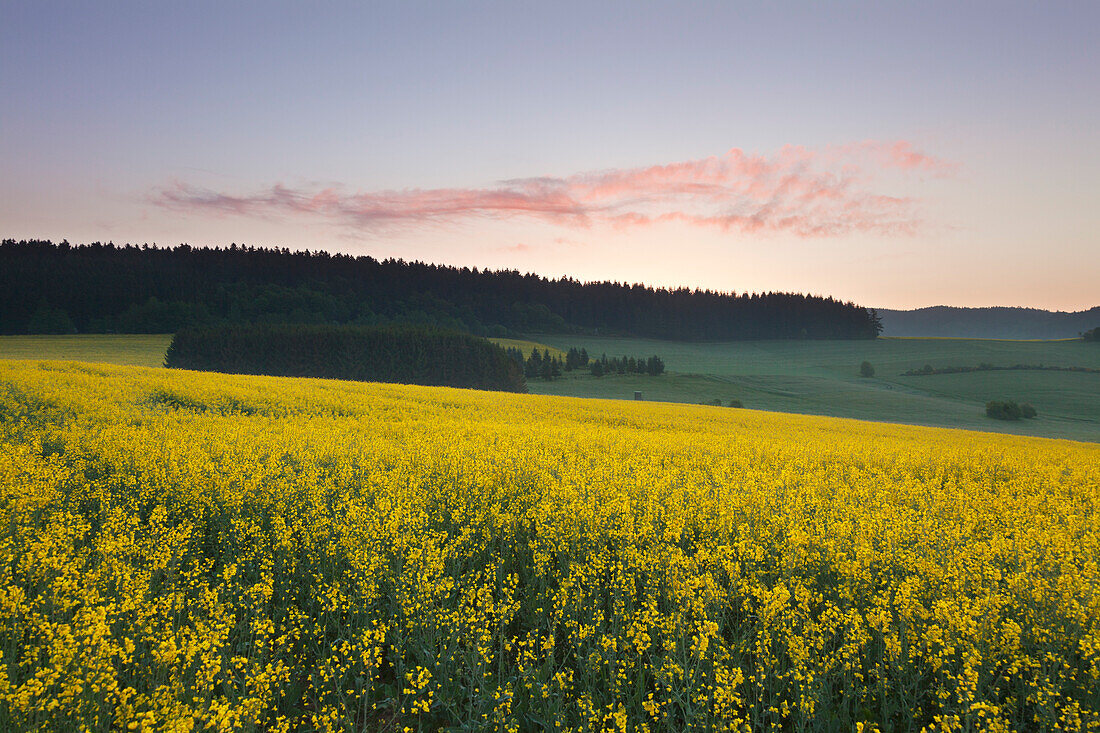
(899, 154)
(807, 192)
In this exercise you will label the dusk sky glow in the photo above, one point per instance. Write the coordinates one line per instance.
(939, 153)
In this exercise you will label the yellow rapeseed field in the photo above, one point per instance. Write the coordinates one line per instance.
(185, 551)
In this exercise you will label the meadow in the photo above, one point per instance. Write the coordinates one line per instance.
(186, 551)
(136, 349)
(822, 378)
(808, 377)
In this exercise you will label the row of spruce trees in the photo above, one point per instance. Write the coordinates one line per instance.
(96, 288)
(405, 355)
(546, 366)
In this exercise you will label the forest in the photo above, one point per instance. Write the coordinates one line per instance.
(48, 287)
(400, 354)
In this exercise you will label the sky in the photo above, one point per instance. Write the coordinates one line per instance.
(899, 156)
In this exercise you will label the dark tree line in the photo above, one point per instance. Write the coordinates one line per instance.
(653, 365)
(401, 354)
(546, 366)
(929, 370)
(538, 365)
(47, 287)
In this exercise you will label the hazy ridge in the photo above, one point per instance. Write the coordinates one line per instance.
(997, 322)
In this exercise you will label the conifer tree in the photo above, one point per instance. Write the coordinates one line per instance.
(533, 366)
(572, 359)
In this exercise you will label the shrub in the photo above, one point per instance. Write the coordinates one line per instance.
(736, 403)
(402, 354)
(1003, 410)
(866, 370)
(1028, 411)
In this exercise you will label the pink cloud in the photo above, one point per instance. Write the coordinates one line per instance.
(810, 193)
(900, 154)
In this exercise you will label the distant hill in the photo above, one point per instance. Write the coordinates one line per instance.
(994, 323)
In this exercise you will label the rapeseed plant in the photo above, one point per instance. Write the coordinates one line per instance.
(184, 551)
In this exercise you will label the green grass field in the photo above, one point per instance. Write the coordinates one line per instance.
(822, 378)
(136, 349)
(810, 377)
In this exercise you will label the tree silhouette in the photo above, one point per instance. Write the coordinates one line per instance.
(104, 287)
